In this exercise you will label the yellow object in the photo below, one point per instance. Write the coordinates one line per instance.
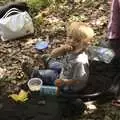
(22, 96)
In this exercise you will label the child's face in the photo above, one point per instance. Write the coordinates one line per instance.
(73, 40)
(78, 42)
(79, 35)
(78, 46)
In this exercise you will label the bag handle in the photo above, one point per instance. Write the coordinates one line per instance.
(11, 11)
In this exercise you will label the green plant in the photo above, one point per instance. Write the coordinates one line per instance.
(36, 5)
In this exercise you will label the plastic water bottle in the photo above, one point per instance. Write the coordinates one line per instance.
(54, 65)
(48, 90)
(101, 54)
(48, 76)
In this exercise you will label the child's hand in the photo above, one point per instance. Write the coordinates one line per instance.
(60, 51)
(59, 83)
(67, 47)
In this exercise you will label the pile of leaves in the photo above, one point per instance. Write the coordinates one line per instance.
(50, 20)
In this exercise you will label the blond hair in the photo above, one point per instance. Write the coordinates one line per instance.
(80, 33)
(80, 30)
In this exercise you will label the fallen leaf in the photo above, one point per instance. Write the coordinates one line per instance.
(2, 72)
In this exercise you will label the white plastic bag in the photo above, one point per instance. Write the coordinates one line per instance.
(15, 26)
(101, 54)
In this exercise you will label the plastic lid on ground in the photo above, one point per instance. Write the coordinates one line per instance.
(41, 45)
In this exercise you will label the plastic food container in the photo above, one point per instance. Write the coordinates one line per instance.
(35, 84)
(41, 45)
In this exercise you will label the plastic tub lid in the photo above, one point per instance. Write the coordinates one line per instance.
(40, 45)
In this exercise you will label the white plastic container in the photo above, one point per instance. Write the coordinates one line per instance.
(35, 84)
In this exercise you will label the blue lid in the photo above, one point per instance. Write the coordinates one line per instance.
(40, 45)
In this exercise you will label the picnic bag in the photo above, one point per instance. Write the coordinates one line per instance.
(15, 24)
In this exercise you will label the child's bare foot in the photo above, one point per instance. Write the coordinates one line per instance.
(116, 103)
(27, 68)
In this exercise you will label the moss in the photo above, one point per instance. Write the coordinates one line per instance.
(36, 5)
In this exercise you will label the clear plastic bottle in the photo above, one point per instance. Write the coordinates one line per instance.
(54, 65)
(48, 76)
(101, 54)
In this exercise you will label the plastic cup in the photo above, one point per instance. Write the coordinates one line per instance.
(35, 84)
